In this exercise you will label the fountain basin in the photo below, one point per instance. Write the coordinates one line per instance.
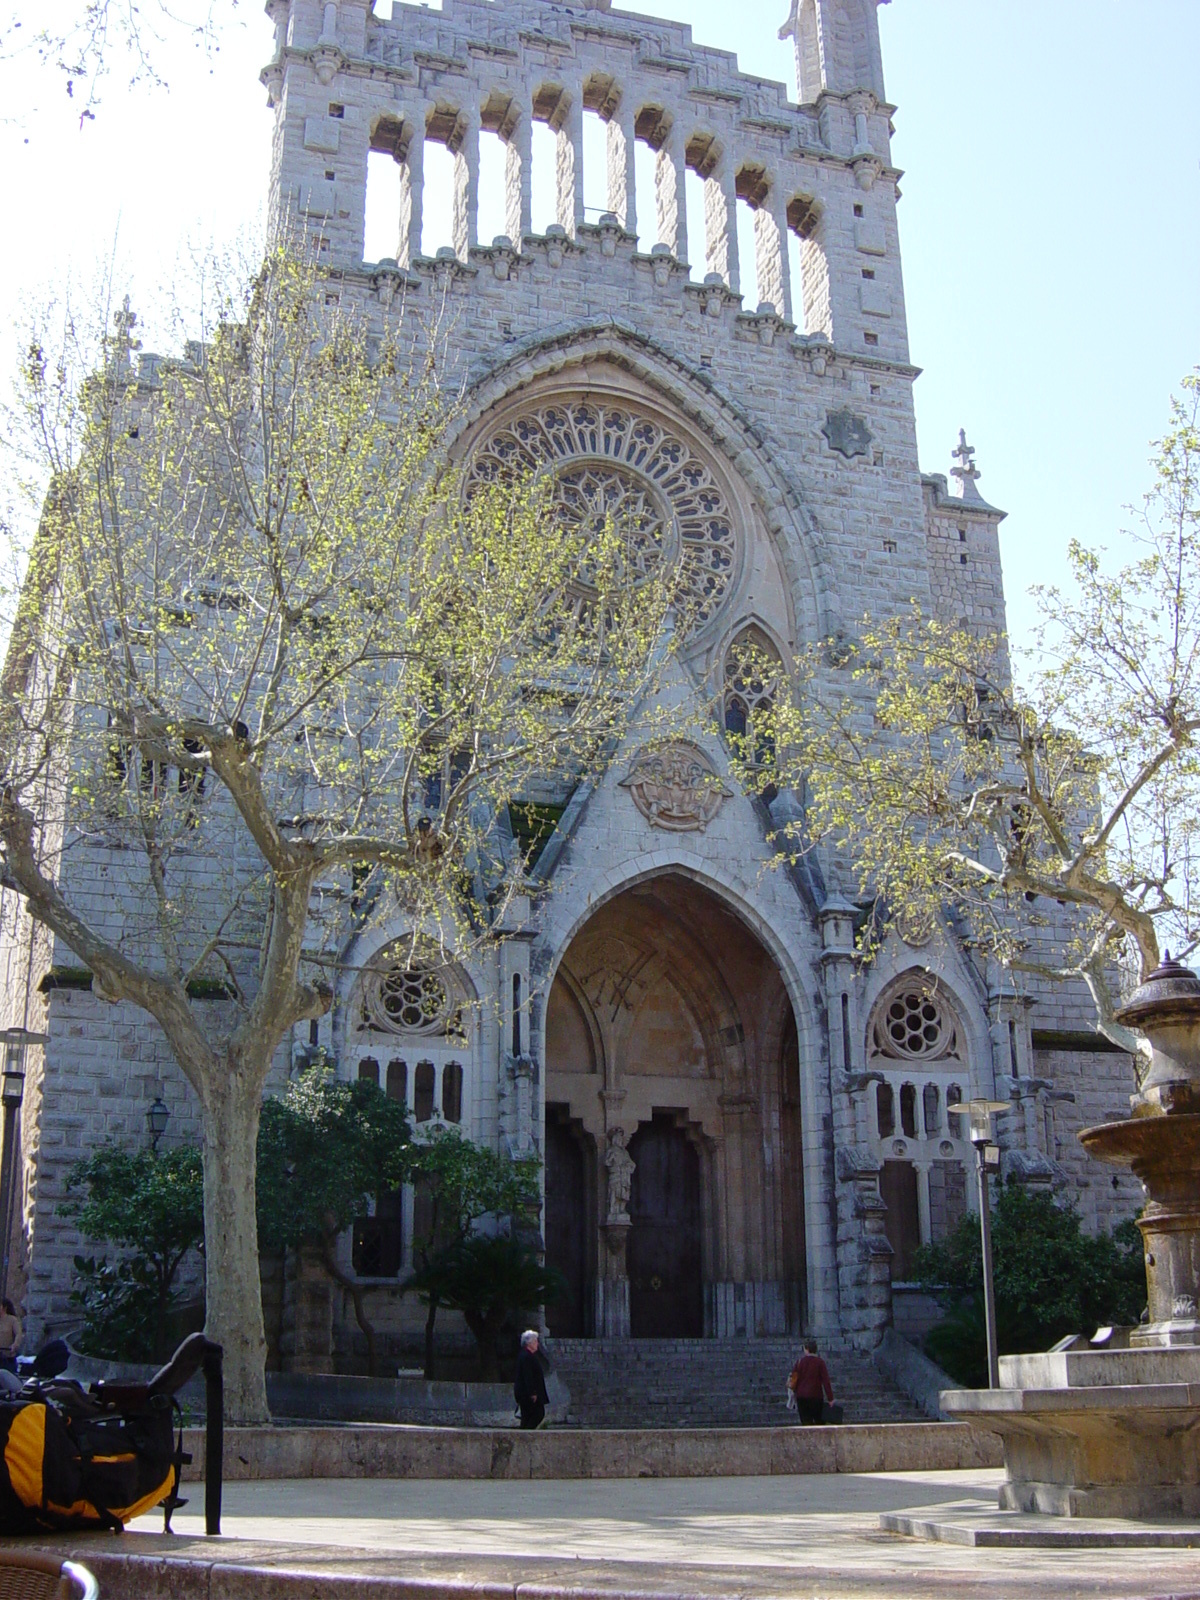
(1095, 1433)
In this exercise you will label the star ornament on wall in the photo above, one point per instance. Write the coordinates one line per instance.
(847, 433)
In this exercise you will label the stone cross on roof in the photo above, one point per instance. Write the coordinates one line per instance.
(123, 343)
(966, 472)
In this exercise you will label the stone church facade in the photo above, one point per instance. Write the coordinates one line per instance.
(745, 1130)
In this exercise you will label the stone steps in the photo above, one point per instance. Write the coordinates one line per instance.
(707, 1383)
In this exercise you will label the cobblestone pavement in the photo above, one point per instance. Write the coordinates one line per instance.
(797, 1536)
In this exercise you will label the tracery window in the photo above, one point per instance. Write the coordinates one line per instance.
(914, 1044)
(751, 682)
(885, 1109)
(452, 1092)
(412, 994)
(415, 994)
(932, 1110)
(908, 1110)
(397, 1081)
(611, 464)
(424, 1085)
(914, 1025)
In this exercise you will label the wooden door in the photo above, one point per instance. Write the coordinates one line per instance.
(566, 1222)
(666, 1297)
(898, 1189)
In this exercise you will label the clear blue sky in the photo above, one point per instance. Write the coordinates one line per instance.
(1050, 221)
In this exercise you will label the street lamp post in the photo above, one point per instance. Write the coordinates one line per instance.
(12, 1091)
(982, 1114)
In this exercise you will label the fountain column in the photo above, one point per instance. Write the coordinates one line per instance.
(1114, 1432)
(1161, 1142)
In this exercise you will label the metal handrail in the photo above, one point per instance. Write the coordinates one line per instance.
(89, 1589)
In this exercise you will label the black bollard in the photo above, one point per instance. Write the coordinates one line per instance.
(214, 1440)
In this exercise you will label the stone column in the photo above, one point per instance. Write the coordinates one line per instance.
(466, 187)
(570, 164)
(412, 188)
(862, 105)
(778, 207)
(720, 213)
(863, 1252)
(521, 1110)
(670, 180)
(518, 179)
(612, 1286)
(622, 166)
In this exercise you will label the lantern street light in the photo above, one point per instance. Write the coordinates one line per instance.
(982, 1114)
(16, 1042)
(157, 1118)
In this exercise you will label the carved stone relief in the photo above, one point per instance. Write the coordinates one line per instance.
(675, 787)
(847, 433)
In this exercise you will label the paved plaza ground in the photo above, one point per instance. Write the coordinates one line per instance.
(814, 1536)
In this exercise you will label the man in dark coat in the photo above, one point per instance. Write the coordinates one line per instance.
(529, 1390)
(810, 1384)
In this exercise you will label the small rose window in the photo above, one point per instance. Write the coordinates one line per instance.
(413, 999)
(412, 996)
(913, 1025)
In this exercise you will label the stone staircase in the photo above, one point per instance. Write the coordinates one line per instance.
(710, 1383)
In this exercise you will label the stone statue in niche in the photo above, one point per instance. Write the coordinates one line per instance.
(621, 1167)
(847, 433)
(675, 787)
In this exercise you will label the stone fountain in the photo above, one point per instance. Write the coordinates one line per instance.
(1115, 1432)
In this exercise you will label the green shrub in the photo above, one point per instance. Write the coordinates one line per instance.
(1052, 1279)
(151, 1204)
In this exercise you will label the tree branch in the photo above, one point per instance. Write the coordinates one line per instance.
(115, 977)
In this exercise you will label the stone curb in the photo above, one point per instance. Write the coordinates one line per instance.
(397, 1452)
(150, 1572)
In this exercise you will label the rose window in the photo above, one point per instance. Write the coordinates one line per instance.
(914, 1026)
(594, 496)
(410, 997)
(612, 466)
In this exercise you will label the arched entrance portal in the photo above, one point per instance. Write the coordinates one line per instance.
(673, 1138)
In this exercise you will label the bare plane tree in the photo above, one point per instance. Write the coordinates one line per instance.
(272, 659)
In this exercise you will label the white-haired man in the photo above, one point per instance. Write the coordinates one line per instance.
(529, 1389)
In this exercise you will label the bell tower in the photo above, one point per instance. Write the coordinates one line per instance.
(837, 47)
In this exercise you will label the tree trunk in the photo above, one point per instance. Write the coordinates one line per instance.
(486, 1331)
(358, 1300)
(231, 1109)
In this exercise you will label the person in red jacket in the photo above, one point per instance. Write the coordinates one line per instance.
(810, 1384)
